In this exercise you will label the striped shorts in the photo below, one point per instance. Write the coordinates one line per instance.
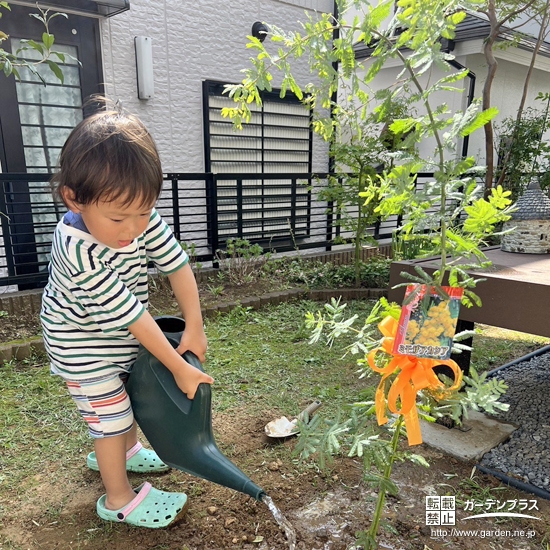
(104, 405)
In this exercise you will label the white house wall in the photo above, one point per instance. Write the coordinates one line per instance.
(506, 93)
(387, 78)
(192, 42)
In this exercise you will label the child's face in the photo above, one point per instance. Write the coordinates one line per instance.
(114, 223)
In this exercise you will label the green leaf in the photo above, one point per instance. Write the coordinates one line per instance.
(479, 121)
(48, 40)
(499, 197)
(404, 37)
(402, 125)
(389, 486)
(427, 279)
(473, 297)
(60, 56)
(374, 69)
(420, 460)
(380, 12)
(56, 14)
(463, 244)
(34, 45)
(56, 70)
(482, 217)
(39, 17)
(7, 67)
(295, 88)
(32, 69)
(457, 18)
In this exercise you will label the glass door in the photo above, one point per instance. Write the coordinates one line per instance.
(48, 113)
(35, 120)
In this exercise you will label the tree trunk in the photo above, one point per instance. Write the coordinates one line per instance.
(491, 12)
(492, 65)
(540, 40)
(359, 232)
(536, 49)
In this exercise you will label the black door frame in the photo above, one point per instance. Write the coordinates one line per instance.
(80, 32)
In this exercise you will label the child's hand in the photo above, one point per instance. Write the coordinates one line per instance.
(194, 341)
(188, 379)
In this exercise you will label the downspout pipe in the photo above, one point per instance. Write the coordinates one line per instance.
(471, 91)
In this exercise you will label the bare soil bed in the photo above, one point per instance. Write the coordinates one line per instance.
(326, 509)
(27, 324)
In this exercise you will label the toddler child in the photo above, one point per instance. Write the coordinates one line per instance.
(94, 308)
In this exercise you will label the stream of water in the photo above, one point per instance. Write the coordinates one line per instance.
(282, 521)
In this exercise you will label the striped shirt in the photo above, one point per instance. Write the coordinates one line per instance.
(95, 292)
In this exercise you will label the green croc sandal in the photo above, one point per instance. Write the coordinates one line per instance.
(138, 460)
(150, 508)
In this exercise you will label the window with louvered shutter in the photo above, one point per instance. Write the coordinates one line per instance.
(277, 141)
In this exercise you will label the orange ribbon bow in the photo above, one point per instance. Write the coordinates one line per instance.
(415, 374)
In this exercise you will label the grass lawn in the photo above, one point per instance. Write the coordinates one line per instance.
(261, 359)
(263, 367)
(494, 346)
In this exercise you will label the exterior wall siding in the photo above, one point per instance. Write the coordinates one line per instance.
(191, 43)
(506, 93)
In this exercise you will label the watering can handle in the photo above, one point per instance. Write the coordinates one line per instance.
(192, 359)
(309, 410)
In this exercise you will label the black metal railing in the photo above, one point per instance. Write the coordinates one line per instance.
(278, 211)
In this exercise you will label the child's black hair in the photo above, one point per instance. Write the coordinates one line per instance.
(109, 156)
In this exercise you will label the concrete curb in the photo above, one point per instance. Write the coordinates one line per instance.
(22, 349)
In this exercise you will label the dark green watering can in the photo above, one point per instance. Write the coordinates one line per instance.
(178, 428)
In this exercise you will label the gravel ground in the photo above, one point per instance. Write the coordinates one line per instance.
(526, 455)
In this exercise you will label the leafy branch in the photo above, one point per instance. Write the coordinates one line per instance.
(449, 209)
(479, 393)
(260, 77)
(11, 63)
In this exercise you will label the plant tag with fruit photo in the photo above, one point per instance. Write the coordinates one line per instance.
(428, 321)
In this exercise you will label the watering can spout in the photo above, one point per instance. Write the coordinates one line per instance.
(178, 428)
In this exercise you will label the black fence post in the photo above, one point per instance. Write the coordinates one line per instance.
(176, 208)
(330, 220)
(239, 191)
(21, 236)
(5, 221)
(293, 205)
(377, 225)
(212, 215)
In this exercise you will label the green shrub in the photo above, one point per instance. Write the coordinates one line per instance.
(241, 260)
(374, 273)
